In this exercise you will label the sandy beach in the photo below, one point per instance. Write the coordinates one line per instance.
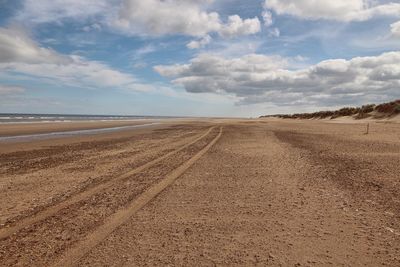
(262, 192)
(15, 129)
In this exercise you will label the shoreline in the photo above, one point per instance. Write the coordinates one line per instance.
(68, 121)
(60, 134)
(20, 129)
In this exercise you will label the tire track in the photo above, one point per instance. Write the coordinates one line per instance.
(71, 257)
(6, 232)
(100, 163)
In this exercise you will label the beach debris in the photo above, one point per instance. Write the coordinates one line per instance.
(367, 131)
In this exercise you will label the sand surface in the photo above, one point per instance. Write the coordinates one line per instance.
(16, 129)
(205, 193)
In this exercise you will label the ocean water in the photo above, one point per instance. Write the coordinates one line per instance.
(32, 118)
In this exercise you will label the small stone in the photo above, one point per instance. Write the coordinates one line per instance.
(271, 256)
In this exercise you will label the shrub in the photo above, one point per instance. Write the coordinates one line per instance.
(397, 109)
(390, 108)
(367, 108)
(362, 115)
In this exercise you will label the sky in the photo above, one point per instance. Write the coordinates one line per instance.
(224, 58)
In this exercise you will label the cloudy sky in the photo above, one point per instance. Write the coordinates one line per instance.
(197, 57)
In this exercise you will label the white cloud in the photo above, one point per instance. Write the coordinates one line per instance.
(341, 10)
(267, 18)
(196, 44)
(92, 27)
(155, 17)
(230, 48)
(79, 72)
(259, 78)
(45, 11)
(274, 32)
(21, 56)
(395, 29)
(212, 73)
(142, 51)
(236, 26)
(138, 17)
(16, 46)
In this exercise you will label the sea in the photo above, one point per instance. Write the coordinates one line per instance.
(35, 118)
(10, 118)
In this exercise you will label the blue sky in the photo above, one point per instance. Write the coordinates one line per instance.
(197, 58)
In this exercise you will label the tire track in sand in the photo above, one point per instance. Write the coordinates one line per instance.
(41, 215)
(71, 257)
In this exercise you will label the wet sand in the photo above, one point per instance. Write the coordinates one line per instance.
(200, 193)
(15, 129)
(61, 134)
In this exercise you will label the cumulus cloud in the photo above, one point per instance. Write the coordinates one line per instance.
(236, 26)
(21, 56)
(341, 10)
(212, 73)
(259, 78)
(196, 44)
(138, 17)
(155, 17)
(395, 29)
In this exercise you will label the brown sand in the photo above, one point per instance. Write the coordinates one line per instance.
(230, 193)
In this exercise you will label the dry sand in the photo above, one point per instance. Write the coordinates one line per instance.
(218, 192)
